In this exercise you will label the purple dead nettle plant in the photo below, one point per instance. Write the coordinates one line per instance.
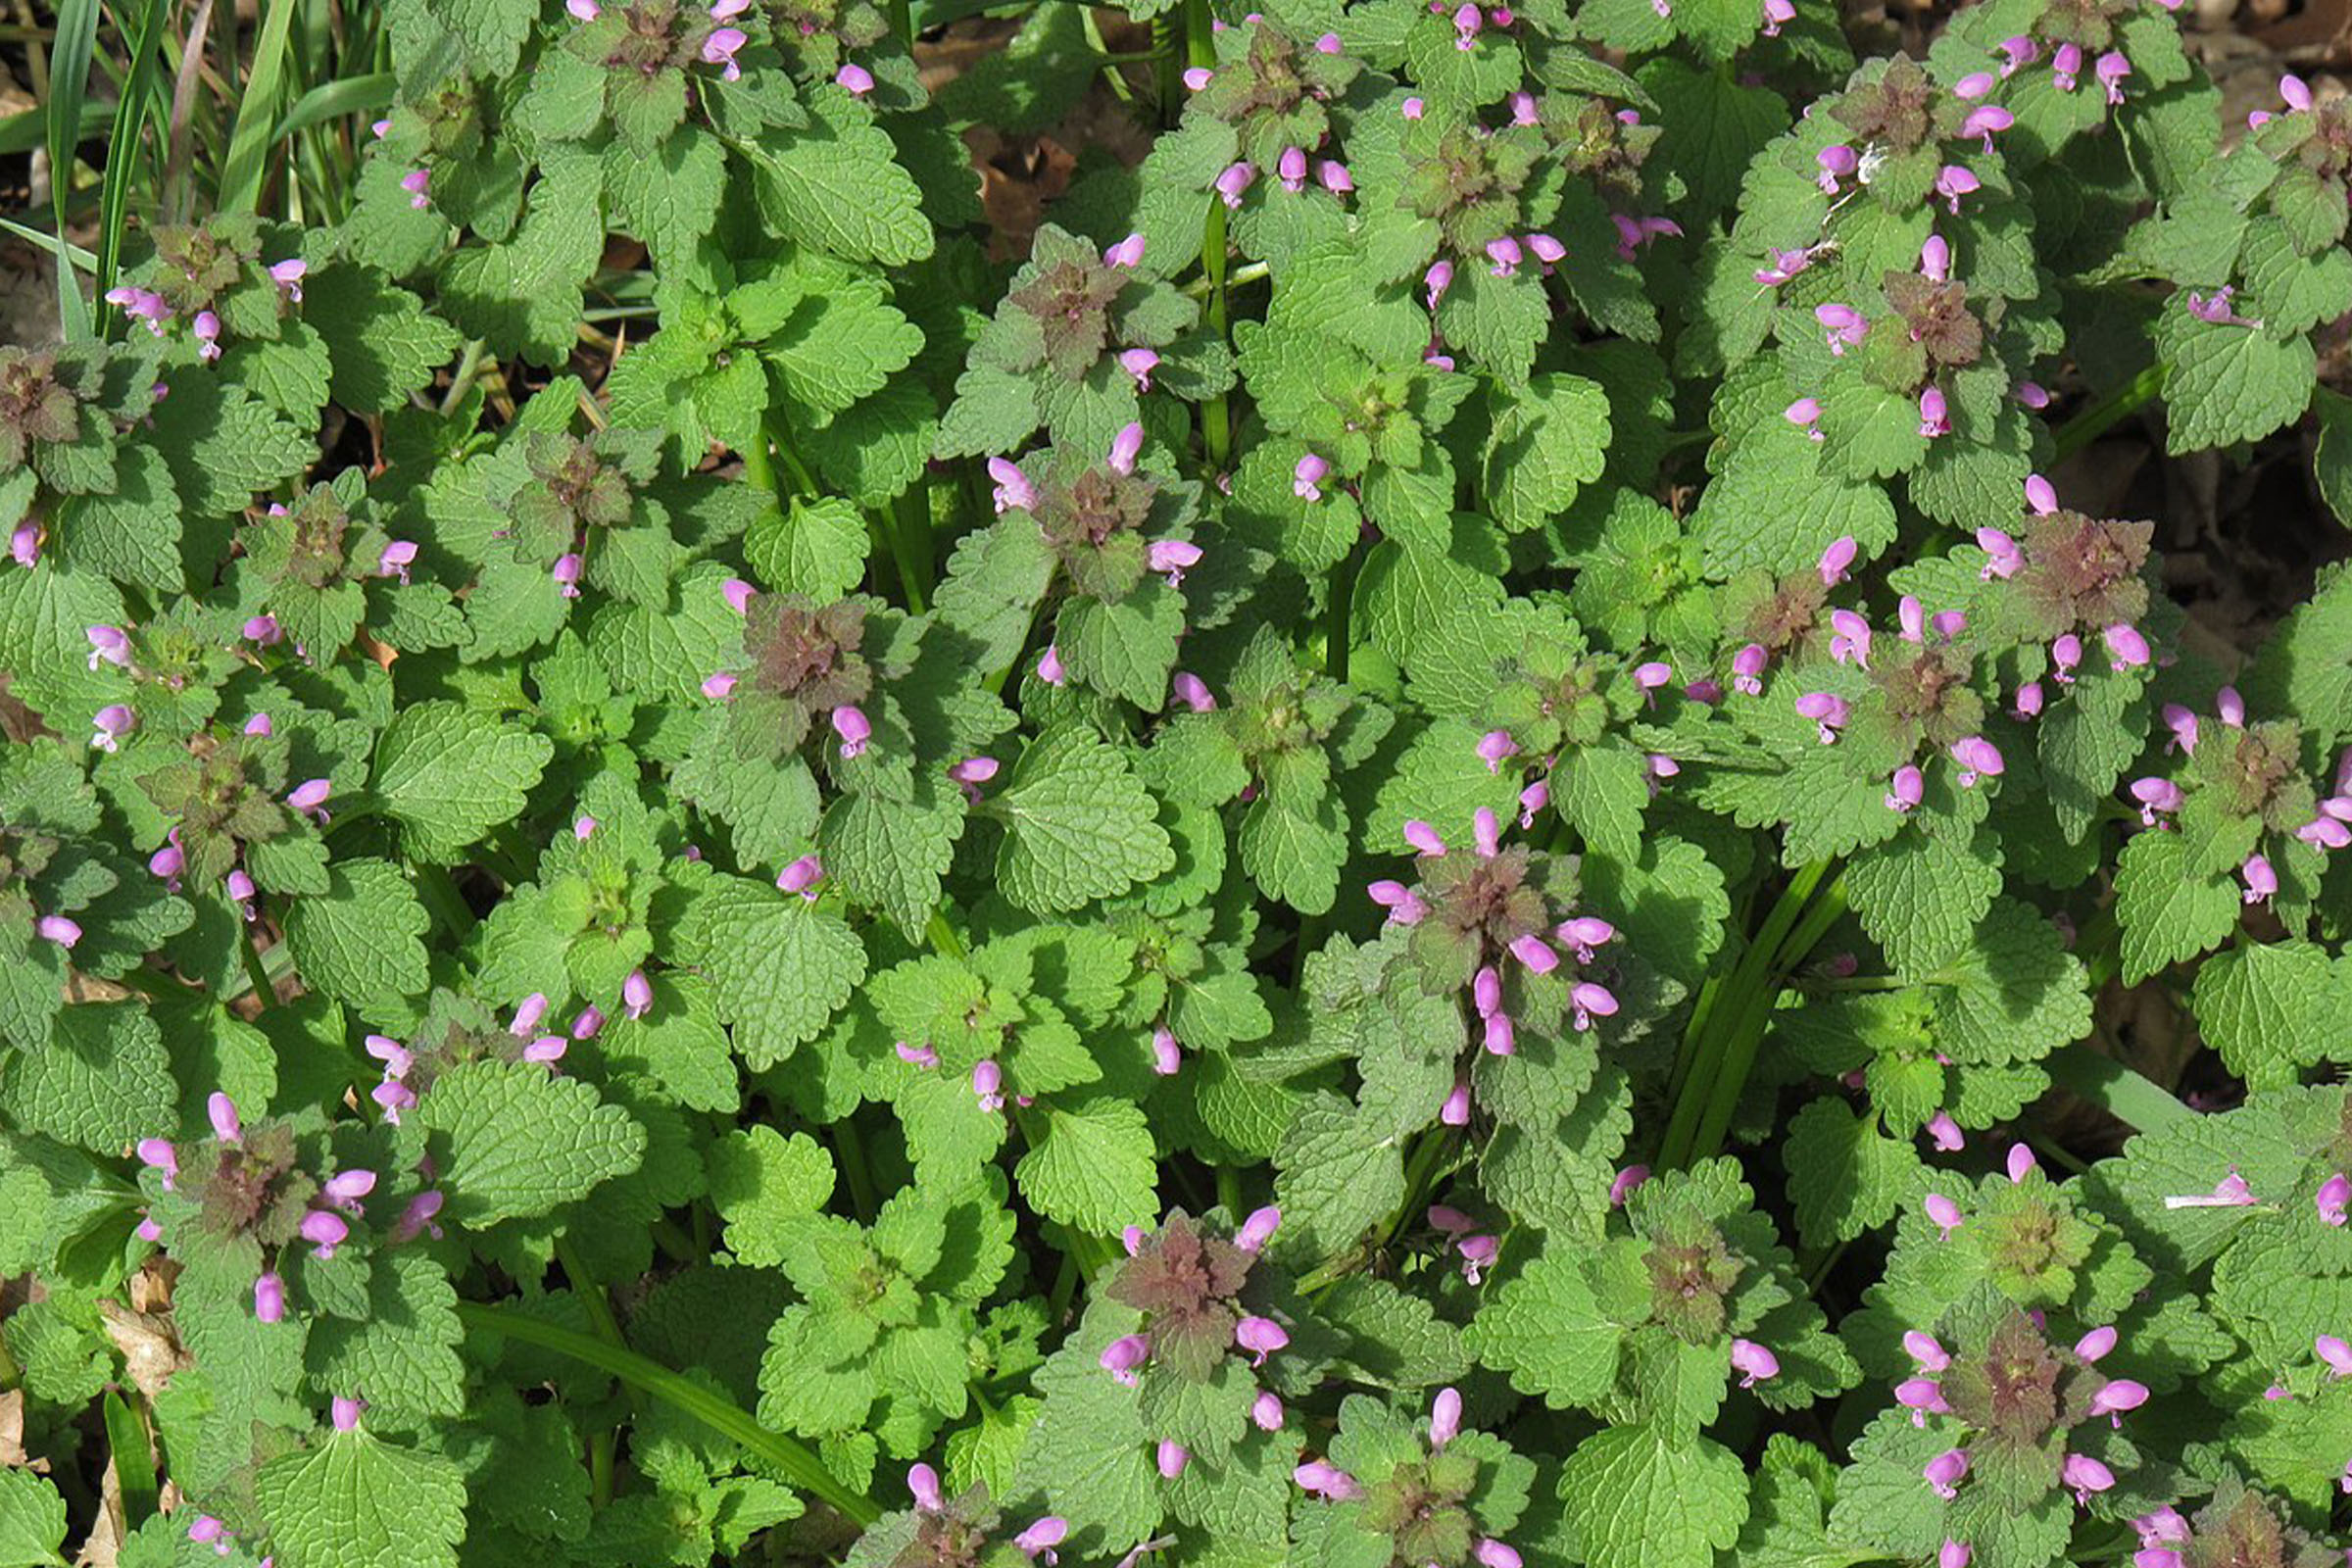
(248, 1182)
(1201, 1301)
(1500, 927)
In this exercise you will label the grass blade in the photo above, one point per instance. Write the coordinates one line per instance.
(134, 1460)
(122, 146)
(69, 86)
(254, 134)
(799, 1463)
(72, 254)
(353, 95)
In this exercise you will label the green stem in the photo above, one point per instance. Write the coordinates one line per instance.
(603, 1445)
(265, 994)
(944, 940)
(2101, 417)
(470, 365)
(1228, 1191)
(1336, 633)
(442, 899)
(1693, 1104)
(1216, 432)
(1168, 52)
(1754, 1017)
(793, 1459)
(134, 1460)
(849, 1144)
(911, 557)
(2137, 1101)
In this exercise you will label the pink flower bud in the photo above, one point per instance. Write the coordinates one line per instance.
(1041, 1537)
(269, 1297)
(1258, 1229)
(1265, 1412)
(1014, 492)
(1445, 1418)
(2334, 1197)
(1122, 1357)
(1171, 1457)
(1945, 1214)
(324, 1230)
(1322, 1479)
(2085, 1475)
(1755, 1361)
(853, 79)
(345, 1187)
(1262, 1336)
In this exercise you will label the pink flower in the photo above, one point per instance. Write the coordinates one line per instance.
(2334, 1196)
(1934, 412)
(2231, 1191)
(1122, 1357)
(1755, 1362)
(1013, 489)
(851, 724)
(719, 48)
(1233, 182)
(1505, 253)
(1262, 1336)
(1308, 476)
(1321, 1478)
(268, 1299)
(1445, 1418)
(414, 182)
(1828, 713)
(2085, 1476)
(1173, 558)
(1946, 1471)
(2117, 1396)
(1945, 1214)
(1837, 161)
(1846, 325)
(853, 79)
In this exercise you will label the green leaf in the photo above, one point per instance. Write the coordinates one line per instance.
(383, 344)
(2272, 1009)
(102, 1082)
(403, 1356)
(1638, 1499)
(1095, 1168)
(836, 185)
(449, 773)
(760, 1182)
(817, 548)
(1079, 825)
(1545, 443)
(33, 1521)
(356, 1502)
(2168, 913)
(521, 1142)
(2225, 383)
(1773, 507)
(782, 966)
(1547, 1330)
(360, 942)
(2332, 465)
(1846, 1176)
